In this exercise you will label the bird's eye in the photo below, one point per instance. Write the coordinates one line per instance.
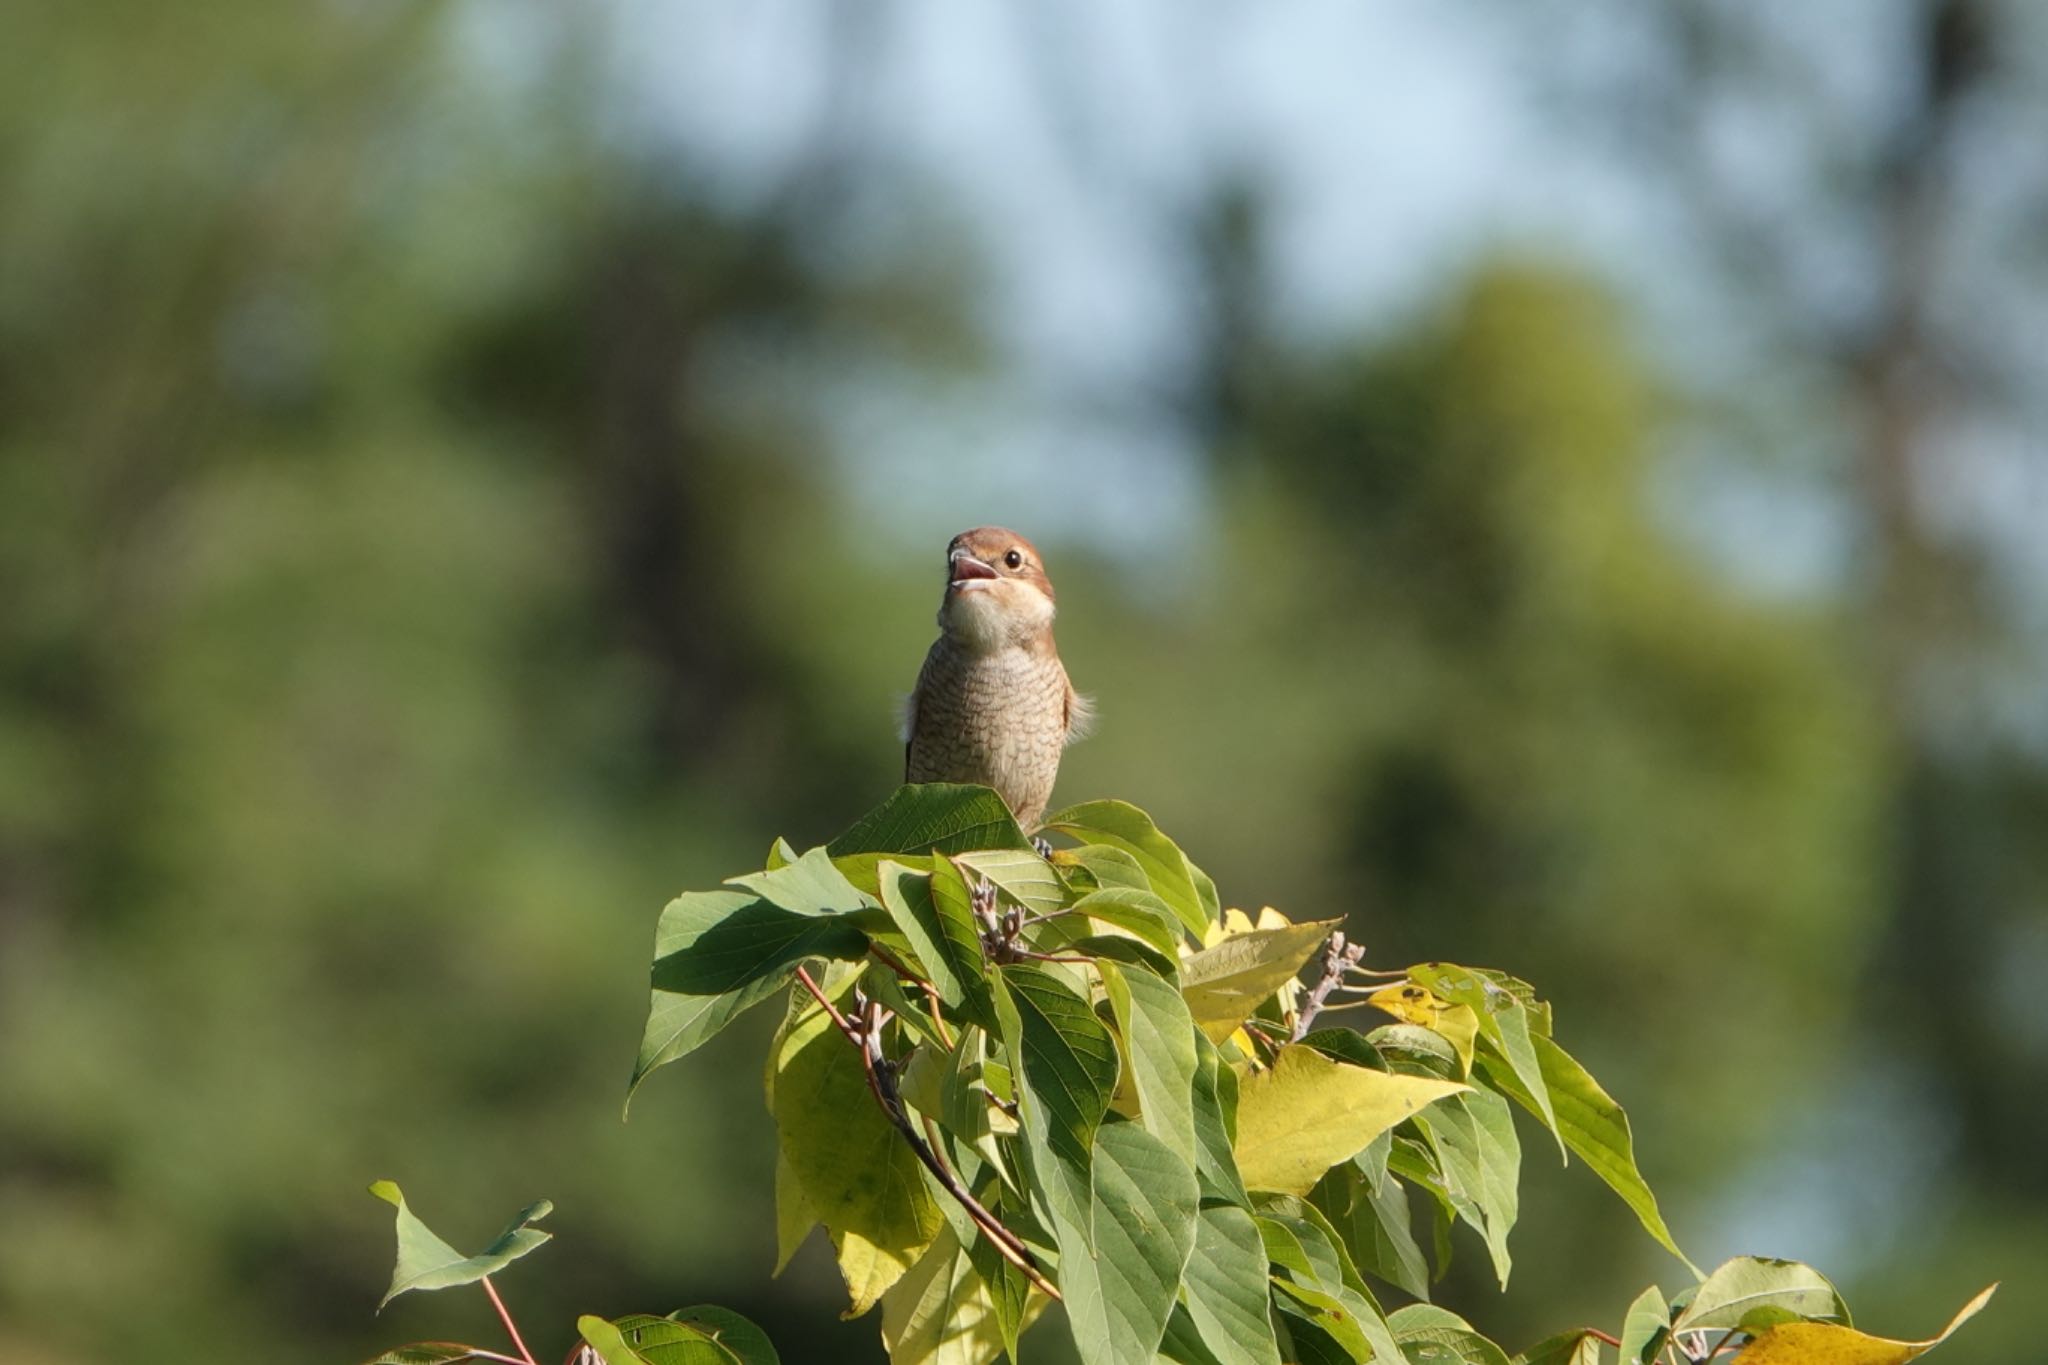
(1014, 559)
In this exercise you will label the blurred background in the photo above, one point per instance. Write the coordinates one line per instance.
(1562, 485)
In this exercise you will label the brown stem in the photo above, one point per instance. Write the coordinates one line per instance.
(1615, 1342)
(882, 1083)
(1338, 957)
(867, 1037)
(506, 1318)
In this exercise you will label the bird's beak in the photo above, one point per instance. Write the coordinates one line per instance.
(968, 571)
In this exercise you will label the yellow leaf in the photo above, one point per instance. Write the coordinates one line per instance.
(869, 1270)
(1307, 1113)
(793, 1217)
(1825, 1343)
(1223, 984)
(856, 1174)
(940, 1312)
(1455, 1024)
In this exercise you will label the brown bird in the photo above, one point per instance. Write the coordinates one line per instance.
(992, 703)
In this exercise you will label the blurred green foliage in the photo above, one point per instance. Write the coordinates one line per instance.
(416, 565)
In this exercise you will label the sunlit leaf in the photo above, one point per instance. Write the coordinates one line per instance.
(1436, 1336)
(1225, 983)
(1120, 1284)
(1121, 825)
(857, 1174)
(1159, 1042)
(1646, 1328)
(1020, 873)
(1578, 1347)
(1069, 1068)
(736, 1333)
(933, 817)
(426, 1353)
(717, 953)
(643, 1340)
(1225, 1287)
(1481, 1161)
(940, 1312)
(1592, 1125)
(1740, 1286)
(1139, 913)
(426, 1262)
(1456, 1024)
(809, 886)
(1503, 1021)
(1306, 1113)
(933, 912)
(1826, 1343)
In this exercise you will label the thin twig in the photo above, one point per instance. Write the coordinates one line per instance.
(852, 1034)
(881, 1082)
(506, 1318)
(1615, 1342)
(867, 1037)
(1338, 958)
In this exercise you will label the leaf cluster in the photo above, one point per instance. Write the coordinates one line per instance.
(1009, 1073)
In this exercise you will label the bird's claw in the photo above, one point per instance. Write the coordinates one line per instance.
(1042, 846)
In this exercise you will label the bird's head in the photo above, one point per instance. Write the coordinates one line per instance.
(996, 589)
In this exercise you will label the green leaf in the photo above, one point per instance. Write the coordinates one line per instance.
(716, 954)
(1440, 1337)
(939, 817)
(1159, 1043)
(427, 1262)
(1215, 1113)
(1321, 1276)
(1741, 1286)
(1123, 826)
(1503, 1022)
(1120, 1283)
(1827, 1343)
(1592, 1125)
(1224, 1288)
(1328, 1314)
(809, 886)
(1225, 983)
(643, 1340)
(1020, 873)
(1070, 1071)
(1306, 1113)
(1139, 913)
(1416, 1051)
(735, 1332)
(427, 1353)
(1100, 867)
(941, 1312)
(1578, 1347)
(858, 1177)
(1646, 1328)
(934, 914)
(780, 854)
(1345, 1045)
(1382, 1230)
(1481, 1160)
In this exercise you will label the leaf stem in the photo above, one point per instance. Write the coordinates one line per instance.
(867, 1037)
(505, 1317)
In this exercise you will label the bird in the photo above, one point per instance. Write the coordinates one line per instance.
(992, 704)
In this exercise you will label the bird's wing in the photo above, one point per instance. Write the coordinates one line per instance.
(907, 714)
(1080, 715)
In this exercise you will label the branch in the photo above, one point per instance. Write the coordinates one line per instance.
(866, 1035)
(1338, 957)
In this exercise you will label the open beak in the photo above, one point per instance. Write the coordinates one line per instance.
(968, 571)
